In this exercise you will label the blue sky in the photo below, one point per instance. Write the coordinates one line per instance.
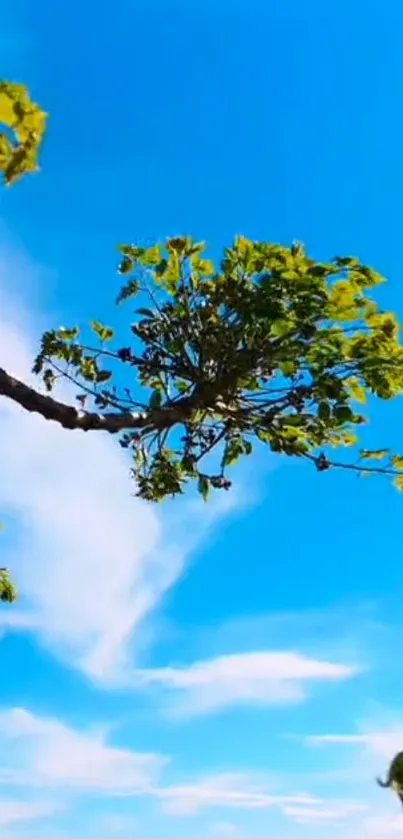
(191, 671)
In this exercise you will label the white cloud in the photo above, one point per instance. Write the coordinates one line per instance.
(14, 812)
(38, 753)
(338, 811)
(338, 739)
(366, 754)
(44, 753)
(232, 790)
(92, 561)
(251, 678)
(380, 827)
(382, 744)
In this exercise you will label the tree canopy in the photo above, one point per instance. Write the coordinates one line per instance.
(267, 347)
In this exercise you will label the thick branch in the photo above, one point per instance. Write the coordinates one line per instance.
(71, 418)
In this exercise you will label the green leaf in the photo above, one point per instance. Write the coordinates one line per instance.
(234, 449)
(126, 265)
(89, 369)
(155, 399)
(133, 252)
(103, 376)
(398, 483)
(378, 454)
(205, 267)
(342, 438)
(146, 313)
(130, 290)
(324, 411)
(320, 270)
(357, 390)
(104, 333)
(68, 334)
(397, 462)
(151, 256)
(8, 593)
(179, 244)
(288, 368)
(203, 487)
(343, 413)
(280, 328)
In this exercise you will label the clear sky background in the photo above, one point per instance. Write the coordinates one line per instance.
(192, 671)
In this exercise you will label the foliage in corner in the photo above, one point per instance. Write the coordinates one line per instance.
(23, 126)
(394, 780)
(8, 592)
(269, 346)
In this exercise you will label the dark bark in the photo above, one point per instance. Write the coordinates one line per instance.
(73, 418)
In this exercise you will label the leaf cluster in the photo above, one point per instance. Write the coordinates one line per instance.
(24, 126)
(269, 346)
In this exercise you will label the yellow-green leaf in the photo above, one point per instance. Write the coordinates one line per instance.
(380, 454)
(243, 245)
(280, 328)
(205, 267)
(104, 333)
(27, 122)
(68, 334)
(357, 391)
(151, 257)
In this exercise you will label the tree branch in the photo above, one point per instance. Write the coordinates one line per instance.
(71, 418)
(322, 463)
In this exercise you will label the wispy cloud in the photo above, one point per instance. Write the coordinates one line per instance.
(260, 678)
(365, 753)
(337, 811)
(384, 744)
(14, 812)
(378, 737)
(42, 754)
(235, 790)
(380, 826)
(45, 753)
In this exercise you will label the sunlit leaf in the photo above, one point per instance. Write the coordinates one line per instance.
(26, 124)
(379, 454)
